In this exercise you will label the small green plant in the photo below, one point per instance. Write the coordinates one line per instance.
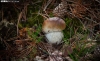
(36, 35)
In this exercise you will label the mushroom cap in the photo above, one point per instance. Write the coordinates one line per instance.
(53, 24)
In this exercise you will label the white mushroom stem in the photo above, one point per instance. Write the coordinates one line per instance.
(54, 37)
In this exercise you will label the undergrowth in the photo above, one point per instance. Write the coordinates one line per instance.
(76, 34)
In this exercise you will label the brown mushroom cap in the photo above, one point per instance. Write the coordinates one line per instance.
(53, 24)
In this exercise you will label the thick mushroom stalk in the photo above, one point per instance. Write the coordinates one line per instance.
(52, 27)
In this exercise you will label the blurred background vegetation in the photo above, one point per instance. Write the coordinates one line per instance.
(21, 29)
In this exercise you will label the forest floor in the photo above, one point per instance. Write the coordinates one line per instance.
(22, 39)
